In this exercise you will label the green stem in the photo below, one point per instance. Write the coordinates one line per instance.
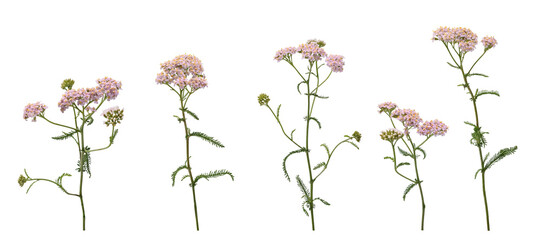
(282, 127)
(57, 124)
(329, 159)
(110, 143)
(308, 114)
(418, 179)
(183, 109)
(81, 164)
(395, 166)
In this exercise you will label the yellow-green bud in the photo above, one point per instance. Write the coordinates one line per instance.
(263, 99)
(22, 180)
(357, 136)
(67, 84)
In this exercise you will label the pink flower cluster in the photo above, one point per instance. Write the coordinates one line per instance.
(386, 107)
(113, 115)
(466, 38)
(311, 51)
(434, 127)
(489, 42)
(177, 70)
(410, 118)
(107, 87)
(335, 62)
(284, 52)
(32, 110)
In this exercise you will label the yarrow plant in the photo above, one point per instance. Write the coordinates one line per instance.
(84, 102)
(459, 42)
(184, 76)
(312, 51)
(410, 120)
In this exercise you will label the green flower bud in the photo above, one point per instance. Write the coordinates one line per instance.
(357, 136)
(22, 180)
(67, 84)
(263, 99)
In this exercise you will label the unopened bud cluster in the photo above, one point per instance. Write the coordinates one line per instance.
(391, 135)
(113, 115)
(263, 99)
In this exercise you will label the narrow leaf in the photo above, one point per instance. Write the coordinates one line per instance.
(314, 119)
(478, 170)
(321, 164)
(408, 188)
(390, 158)
(352, 143)
(407, 154)
(192, 114)
(402, 164)
(285, 159)
(477, 74)
(174, 174)
(207, 138)
(278, 111)
(213, 174)
(180, 120)
(452, 65)
(499, 156)
(323, 201)
(422, 151)
(304, 189)
(326, 149)
(64, 135)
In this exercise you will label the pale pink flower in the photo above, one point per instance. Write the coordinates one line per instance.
(335, 62)
(408, 117)
(285, 52)
(109, 87)
(311, 51)
(33, 110)
(386, 107)
(197, 82)
(489, 42)
(177, 70)
(434, 127)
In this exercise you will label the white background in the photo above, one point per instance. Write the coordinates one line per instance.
(389, 57)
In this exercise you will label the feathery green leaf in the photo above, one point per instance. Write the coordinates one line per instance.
(499, 156)
(278, 111)
(323, 201)
(452, 65)
(408, 188)
(174, 174)
(64, 135)
(402, 164)
(304, 189)
(207, 138)
(112, 137)
(285, 159)
(213, 174)
(180, 120)
(390, 158)
(352, 143)
(486, 92)
(59, 179)
(315, 119)
(184, 177)
(407, 154)
(326, 149)
(321, 164)
(476, 74)
(422, 151)
(191, 114)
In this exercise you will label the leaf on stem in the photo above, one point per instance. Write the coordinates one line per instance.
(191, 114)
(326, 149)
(64, 135)
(59, 179)
(476, 74)
(408, 188)
(315, 95)
(321, 164)
(174, 174)
(291, 134)
(112, 137)
(478, 170)
(304, 209)
(323, 201)
(299, 85)
(452, 65)
(89, 121)
(499, 156)
(180, 120)
(407, 154)
(422, 151)
(486, 92)
(304, 189)
(315, 119)
(390, 158)
(213, 174)
(278, 111)
(402, 164)
(207, 138)
(285, 159)
(354, 144)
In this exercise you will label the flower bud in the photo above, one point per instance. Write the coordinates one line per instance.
(67, 84)
(22, 180)
(357, 136)
(263, 99)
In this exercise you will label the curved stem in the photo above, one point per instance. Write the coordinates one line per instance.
(329, 159)
(282, 127)
(183, 109)
(57, 124)
(110, 143)
(395, 167)
(55, 183)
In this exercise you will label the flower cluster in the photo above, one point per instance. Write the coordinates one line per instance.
(32, 110)
(107, 87)
(22, 180)
(386, 107)
(434, 127)
(177, 70)
(335, 62)
(391, 135)
(489, 42)
(113, 115)
(311, 51)
(357, 136)
(408, 117)
(466, 38)
(263, 99)
(285, 52)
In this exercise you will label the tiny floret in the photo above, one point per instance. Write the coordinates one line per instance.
(285, 53)
(408, 117)
(33, 110)
(178, 70)
(109, 87)
(263, 99)
(113, 115)
(335, 62)
(489, 42)
(434, 128)
(312, 51)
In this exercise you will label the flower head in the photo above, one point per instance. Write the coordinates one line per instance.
(22, 180)
(444, 34)
(263, 99)
(67, 84)
(335, 62)
(113, 115)
(357, 136)
(408, 117)
(177, 70)
(466, 38)
(33, 110)
(285, 53)
(434, 127)
(489, 42)
(386, 107)
(109, 87)
(391, 135)
(312, 51)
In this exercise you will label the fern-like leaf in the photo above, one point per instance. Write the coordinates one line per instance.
(304, 209)
(304, 189)
(452, 65)
(59, 179)
(321, 164)
(174, 174)
(390, 158)
(478, 170)
(476, 74)
(213, 174)
(323, 201)
(207, 138)
(486, 92)
(291, 134)
(408, 188)
(184, 177)
(422, 151)
(285, 159)
(407, 154)
(64, 135)
(402, 164)
(326, 149)
(352, 143)
(191, 114)
(180, 120)
(315, 120)
(499, 156)
(278, 111)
